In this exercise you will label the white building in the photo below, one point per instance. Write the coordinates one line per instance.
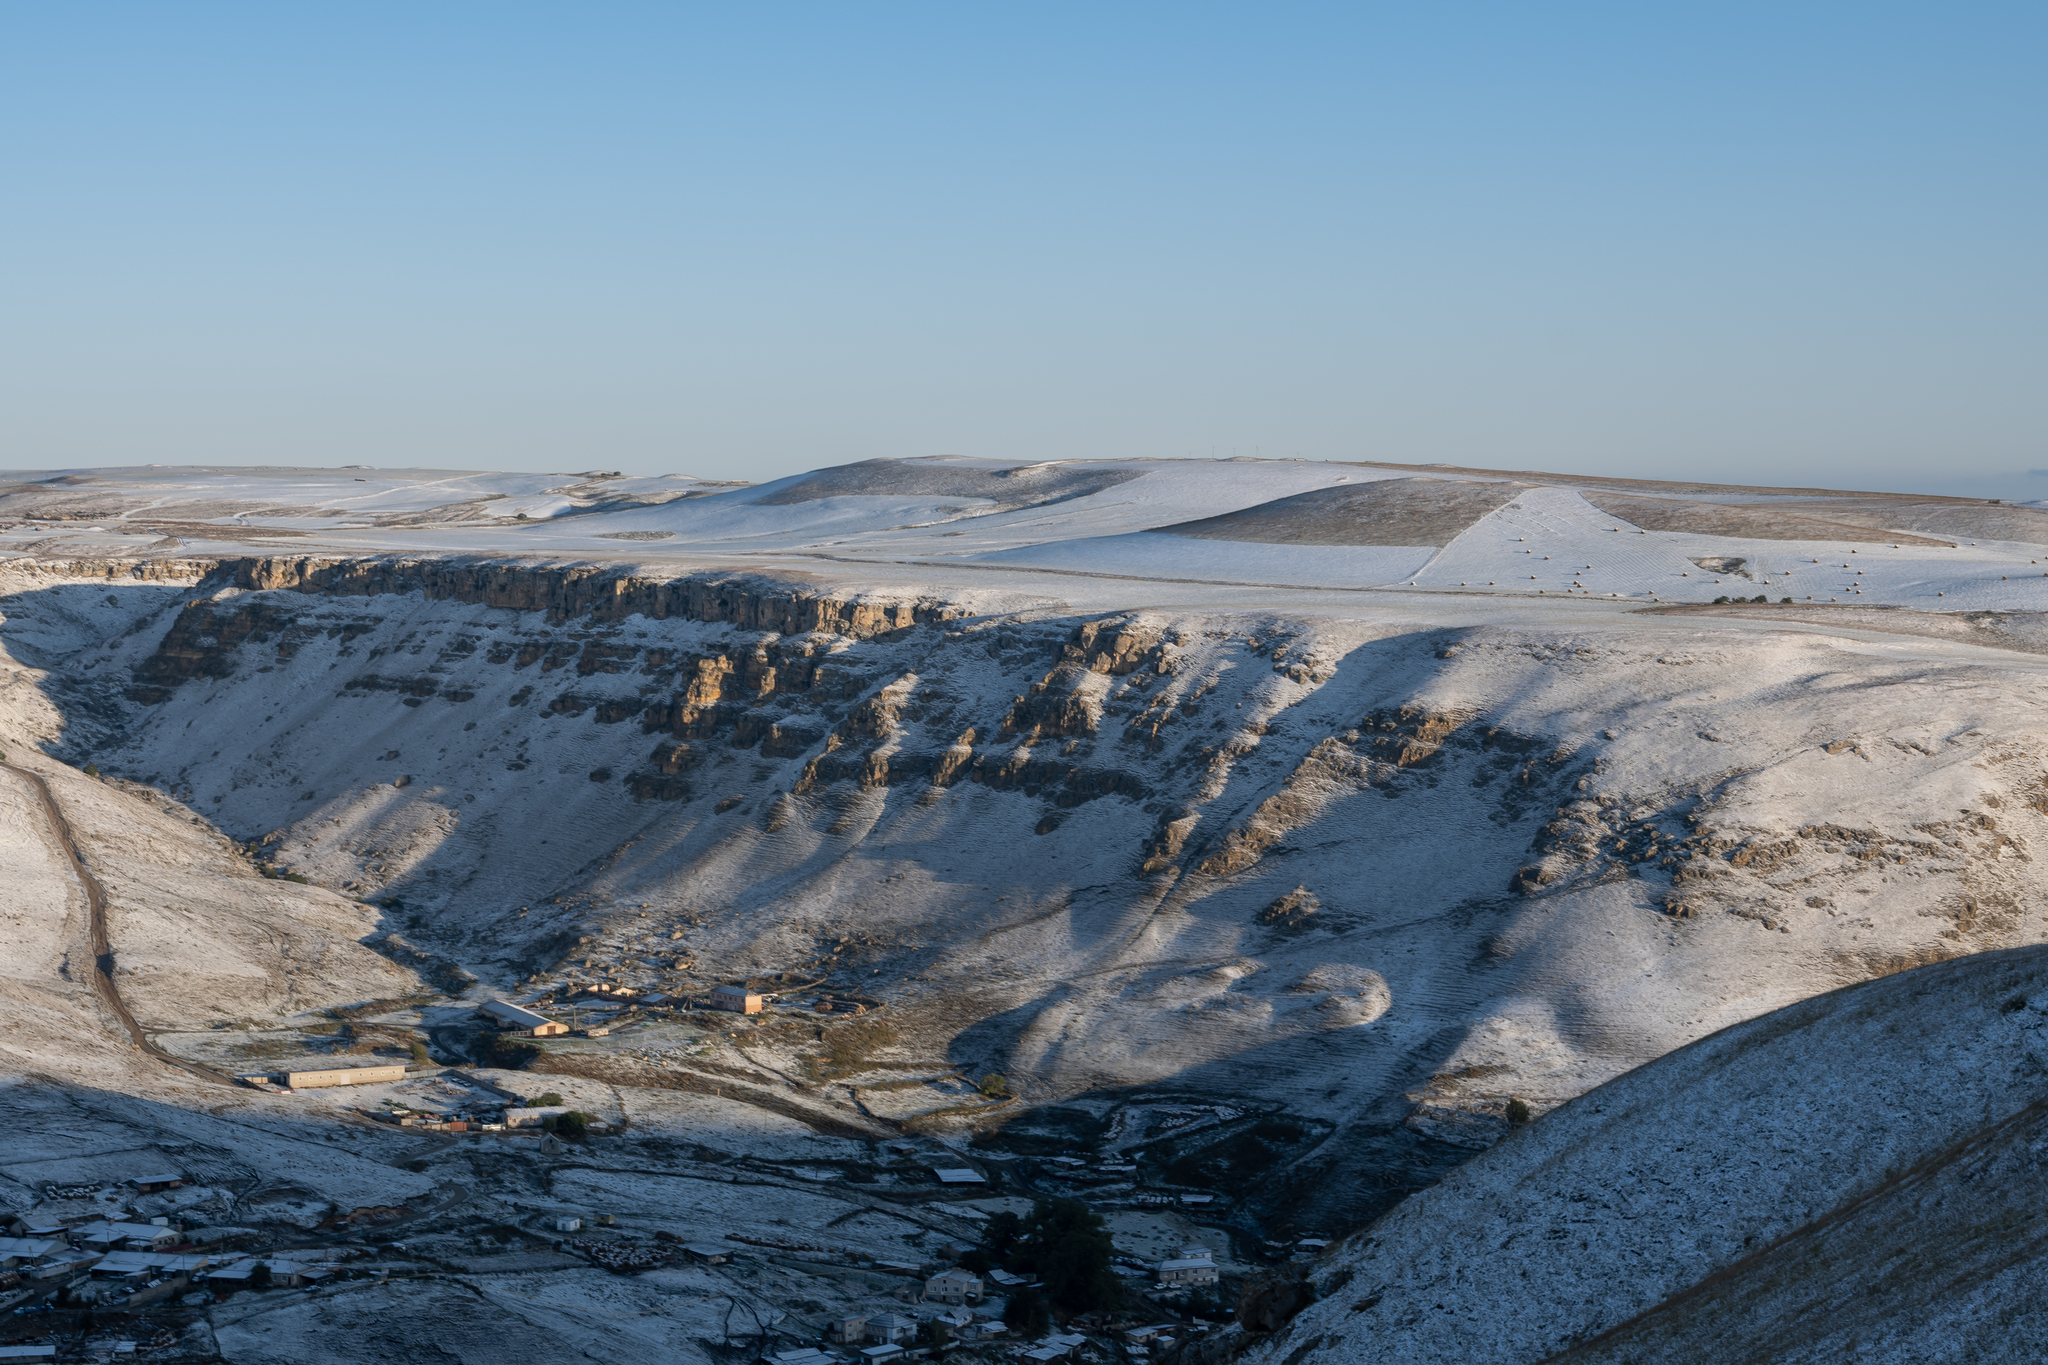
(953, 1286)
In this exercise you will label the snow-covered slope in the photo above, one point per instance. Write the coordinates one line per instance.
(1855, 1177)
(1373, 806)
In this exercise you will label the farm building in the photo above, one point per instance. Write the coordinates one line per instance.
(507, 1015)
(1187, 1270)
(738, 999)
(344, 1075)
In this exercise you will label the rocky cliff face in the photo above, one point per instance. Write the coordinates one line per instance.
(1508, 863)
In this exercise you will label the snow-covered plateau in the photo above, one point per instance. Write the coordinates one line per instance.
(1241, 846)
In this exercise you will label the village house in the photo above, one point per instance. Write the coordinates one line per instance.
(17, 1251)
(953, 1286)
(892, 1328)
(846, 1330)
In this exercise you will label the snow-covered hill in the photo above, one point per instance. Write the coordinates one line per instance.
(1412, 530)
(1857, 1177)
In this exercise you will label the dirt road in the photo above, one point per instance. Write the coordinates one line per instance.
(102, 949)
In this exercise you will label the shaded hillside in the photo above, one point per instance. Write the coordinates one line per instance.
(1857, 1176)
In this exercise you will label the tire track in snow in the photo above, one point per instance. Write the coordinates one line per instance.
(102, 948)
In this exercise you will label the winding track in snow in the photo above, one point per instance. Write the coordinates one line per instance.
(102, 948)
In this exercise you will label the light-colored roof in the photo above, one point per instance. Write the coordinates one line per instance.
(28, 1247)
(1187, 1263)
(956, 1273)
(959, 1175)
(512, 1014)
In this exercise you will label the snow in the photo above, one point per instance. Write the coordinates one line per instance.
(1719, 1156)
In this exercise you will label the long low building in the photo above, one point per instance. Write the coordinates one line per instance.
(507, 1015)
(344, 1075)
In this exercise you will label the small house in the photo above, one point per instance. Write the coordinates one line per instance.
(953, 1286)
(959, 1175)
(846, 1329)
(738, 999)
(158, 1183)
(876, 1355)
(709, 1253)
(531, 1117)
(567, 1224)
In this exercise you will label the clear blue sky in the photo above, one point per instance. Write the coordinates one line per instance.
(1783, 242)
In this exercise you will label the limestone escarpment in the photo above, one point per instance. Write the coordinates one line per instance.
(745, 601)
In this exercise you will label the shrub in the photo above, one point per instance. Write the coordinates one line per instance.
(1719, 600)
(1785, 601)
(1518, 1113)
(994, 1085)
(510, 1053)
(92, 770)
(420, 1054)
(543, 1101)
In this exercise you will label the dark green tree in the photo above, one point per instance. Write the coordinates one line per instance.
(1026, 1314)
(999, 1237)
(1067, 1247)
